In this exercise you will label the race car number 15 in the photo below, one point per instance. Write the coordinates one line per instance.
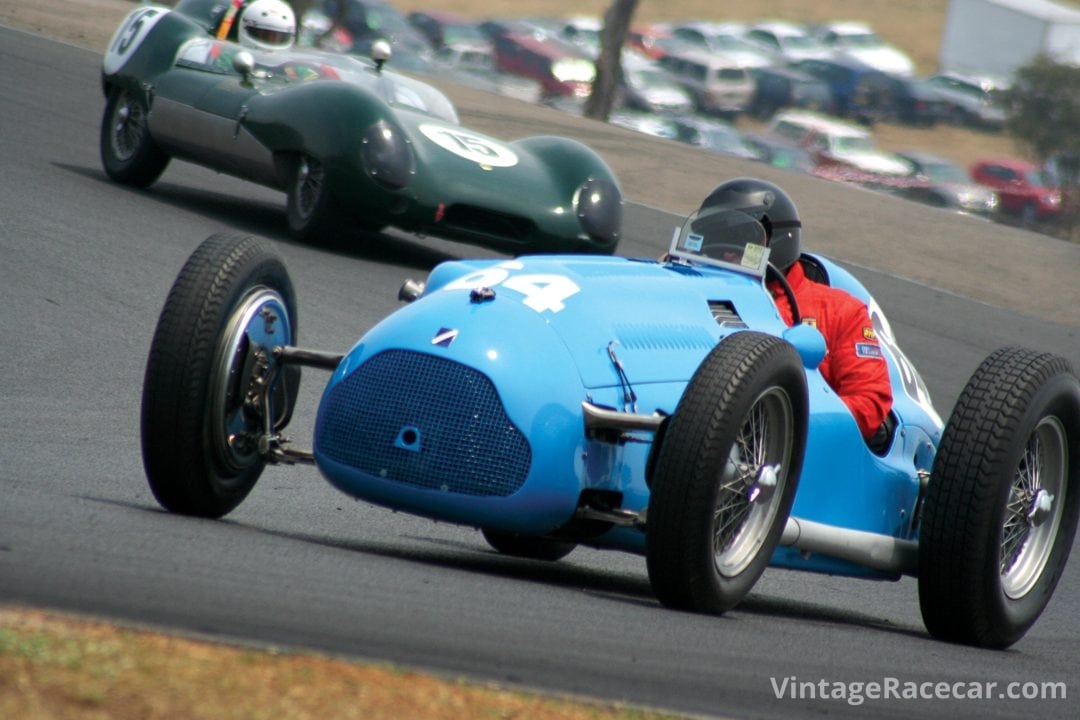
(540, 291)
(130, 35)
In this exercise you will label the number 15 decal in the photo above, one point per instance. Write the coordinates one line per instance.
(132, 32)
(541, 292)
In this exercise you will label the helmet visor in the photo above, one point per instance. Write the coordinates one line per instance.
(270, 36)
(719, 235)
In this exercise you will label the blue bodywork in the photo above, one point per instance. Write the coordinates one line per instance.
(466, 405)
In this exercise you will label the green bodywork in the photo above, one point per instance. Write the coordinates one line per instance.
(528, 199)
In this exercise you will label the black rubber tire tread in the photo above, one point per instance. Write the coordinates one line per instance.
(679, 552)
(528, 546)
(176, 446)
(144, 167)
(960, 592)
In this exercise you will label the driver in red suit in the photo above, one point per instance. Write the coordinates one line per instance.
(854, 364)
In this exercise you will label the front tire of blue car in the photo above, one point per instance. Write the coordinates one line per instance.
(1001, 508)
(128, 152)
(211, 357)
(726, 474)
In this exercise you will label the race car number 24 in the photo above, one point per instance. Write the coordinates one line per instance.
(540, 291)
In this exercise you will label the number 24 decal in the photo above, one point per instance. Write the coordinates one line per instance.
(541, 292)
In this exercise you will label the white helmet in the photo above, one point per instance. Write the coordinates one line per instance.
(267, 25)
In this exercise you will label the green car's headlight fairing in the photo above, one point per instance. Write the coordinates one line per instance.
(387, 156)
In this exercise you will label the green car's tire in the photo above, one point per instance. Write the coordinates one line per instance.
(311, 208)
(128, 152)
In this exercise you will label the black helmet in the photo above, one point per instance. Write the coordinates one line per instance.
(768, 204)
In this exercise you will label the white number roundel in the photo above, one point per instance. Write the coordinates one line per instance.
(129, 36)
(479, 149)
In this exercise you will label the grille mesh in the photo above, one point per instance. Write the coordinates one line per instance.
(466, 444)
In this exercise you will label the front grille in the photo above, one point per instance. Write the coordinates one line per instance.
(460, 439)
(486, 222)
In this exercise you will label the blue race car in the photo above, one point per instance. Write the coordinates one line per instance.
(657, 407)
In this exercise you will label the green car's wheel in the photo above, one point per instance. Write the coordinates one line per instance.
(311, 209)
(1001, 509)
(211, 364)
(128, 153)
(726, 475)
(527, 546)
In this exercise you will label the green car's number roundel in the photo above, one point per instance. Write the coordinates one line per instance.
(481, 150)
(130, 35)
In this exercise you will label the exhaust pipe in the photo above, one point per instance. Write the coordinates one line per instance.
(880, 552)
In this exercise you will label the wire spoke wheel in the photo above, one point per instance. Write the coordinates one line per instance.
(1002, 506)
(1035, 508)
(128, 127)
(128, 151)
(310, 186)
(726, 473)
(747, 504)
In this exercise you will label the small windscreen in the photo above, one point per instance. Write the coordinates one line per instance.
(723, 237)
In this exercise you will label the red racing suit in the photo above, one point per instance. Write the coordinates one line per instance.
(854, 364)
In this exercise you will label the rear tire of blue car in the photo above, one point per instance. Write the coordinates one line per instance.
(1001, 508)
(210, 357)
(128, 152)
(528, 546)
(726, 474)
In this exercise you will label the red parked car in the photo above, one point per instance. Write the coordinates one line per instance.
(1022, 187)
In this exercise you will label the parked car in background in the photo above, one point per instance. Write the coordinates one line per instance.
(475, 68)
(858, 91)
(857, 40)
(947, 185)
(370, 20)
(712, 135)
(583, 31)
(974, 102)
(832, 142)
(778, 151)
(727, 38)
(1024, 189)
(718, 84)
(786, 41)
(777, 87)
(649, 88)
(654, 40)
(561, 68)
(449, 30)
(914, 101)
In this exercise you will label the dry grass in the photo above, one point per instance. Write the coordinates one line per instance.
(55, 667)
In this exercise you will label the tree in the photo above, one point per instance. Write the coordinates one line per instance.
(1044, 112)
(609, 65)
(1044, 115)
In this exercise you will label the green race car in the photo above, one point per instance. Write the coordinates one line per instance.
(353, 145)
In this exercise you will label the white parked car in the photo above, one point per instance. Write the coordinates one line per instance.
(832, 142)
(858, 40)
(787, 41)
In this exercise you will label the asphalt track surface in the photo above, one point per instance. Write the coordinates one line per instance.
(85, 265)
